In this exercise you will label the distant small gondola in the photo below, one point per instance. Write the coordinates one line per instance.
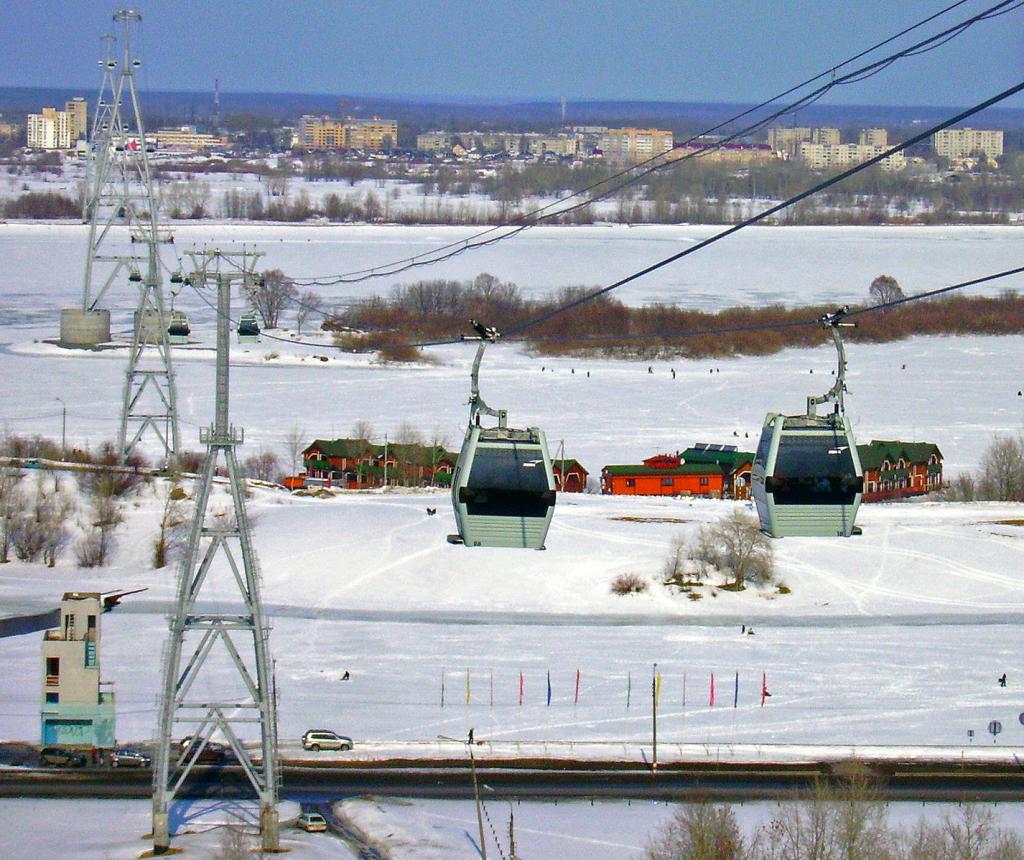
(248, 329)
(807, 479)
(178, 329)
(503, 486)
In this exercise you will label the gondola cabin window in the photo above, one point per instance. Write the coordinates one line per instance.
(508, 481)
(814, 470)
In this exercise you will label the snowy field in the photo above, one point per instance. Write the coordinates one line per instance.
(895, 637)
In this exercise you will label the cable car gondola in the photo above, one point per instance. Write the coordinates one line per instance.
(807, 479)
(503, 487)
(177, 328)
(248, 328)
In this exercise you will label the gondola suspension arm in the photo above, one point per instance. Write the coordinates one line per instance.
(477, 406)
(833, 322)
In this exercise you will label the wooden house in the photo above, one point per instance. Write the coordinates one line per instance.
(570, 476)
(716, 471)
(735, 466)
(896, 470)
(359, 464)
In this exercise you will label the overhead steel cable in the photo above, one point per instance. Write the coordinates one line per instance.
(639, 171)
(771, 210)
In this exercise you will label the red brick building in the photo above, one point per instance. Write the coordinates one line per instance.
(896, 470)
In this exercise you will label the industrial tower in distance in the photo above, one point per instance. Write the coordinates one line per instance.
(121, 210)
(217, 675)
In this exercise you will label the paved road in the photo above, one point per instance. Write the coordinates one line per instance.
(896, 780)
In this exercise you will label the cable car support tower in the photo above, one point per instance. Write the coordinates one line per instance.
(120, 194)
(238, 693)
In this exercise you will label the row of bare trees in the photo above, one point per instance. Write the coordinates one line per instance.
(844, 822)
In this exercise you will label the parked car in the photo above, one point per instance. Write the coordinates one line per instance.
(312, 822)
(213, 753)
(324, 739)
(124, 757)
(61, 757)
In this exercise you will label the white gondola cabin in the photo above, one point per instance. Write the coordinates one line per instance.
(503, 486)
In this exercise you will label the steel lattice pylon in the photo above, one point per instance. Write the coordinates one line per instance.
(120, 195)
(195, 633)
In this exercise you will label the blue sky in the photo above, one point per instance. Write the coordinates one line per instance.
(712, 51)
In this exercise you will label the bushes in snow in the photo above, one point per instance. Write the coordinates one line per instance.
(733, 547)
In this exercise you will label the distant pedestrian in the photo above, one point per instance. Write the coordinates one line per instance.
(673, 373)
(346, 676)
(588, 374)
(1002, 680)
(573, 371)
(743, 628)
(650, 369)
(471, 736)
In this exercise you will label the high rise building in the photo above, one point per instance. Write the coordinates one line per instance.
(963, 142)
(873, 137)
(48, 130)
(635, 144)
(78, 118)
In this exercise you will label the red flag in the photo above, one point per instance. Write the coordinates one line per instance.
(764, 688)
(576, 698)
(711, 698)
(520, 688)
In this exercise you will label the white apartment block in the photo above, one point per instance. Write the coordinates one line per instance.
(435, 141)
(827, 136)
(962, 142)
(785, 140)
(562, 145)
(635, 144)
(873, 137)
(50, 129)
(824, 156)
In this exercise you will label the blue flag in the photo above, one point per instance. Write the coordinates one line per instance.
(549, 688)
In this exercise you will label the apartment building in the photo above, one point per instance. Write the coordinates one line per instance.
(873, 137)
(435, 141)
(962, 142)
(78, 118)
(187, 138)
(76, 709)
(58, 129)
(824, 156)
(48, 130)
(786, 141)
(562, 145)
(369, 135)
(635, 144)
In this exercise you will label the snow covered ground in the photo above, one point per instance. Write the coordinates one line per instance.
(895, 637)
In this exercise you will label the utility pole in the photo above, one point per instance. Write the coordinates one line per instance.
(476, 796)
(120, 194)
(63, 427)
(654, 716)
(244, 634)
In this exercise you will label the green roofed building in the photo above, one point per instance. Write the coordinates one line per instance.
(896, 470)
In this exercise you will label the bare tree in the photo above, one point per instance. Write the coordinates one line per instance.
(736, 546)
(262, 466)
(1002, 470)
(10, 505)
(271, 294)
(170, 537)
(673, 568)
(698, 831)
(408, 434)
(309, 303)
(295, 442)
(885, 289)
(362, 429)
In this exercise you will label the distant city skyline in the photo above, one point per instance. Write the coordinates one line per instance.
(530, 50)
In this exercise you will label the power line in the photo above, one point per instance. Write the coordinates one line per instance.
(639, 171)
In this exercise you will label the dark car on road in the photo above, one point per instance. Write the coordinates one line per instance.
(61, 757)
(213, 753)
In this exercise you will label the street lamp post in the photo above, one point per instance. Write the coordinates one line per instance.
(63, 427)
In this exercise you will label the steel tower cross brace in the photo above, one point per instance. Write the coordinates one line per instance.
(120, 194)
(195, 632)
